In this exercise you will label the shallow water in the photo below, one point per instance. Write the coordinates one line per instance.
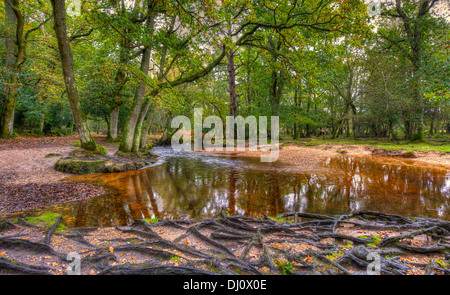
(189, 185)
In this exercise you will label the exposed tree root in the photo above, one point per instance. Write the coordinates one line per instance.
(291, 243)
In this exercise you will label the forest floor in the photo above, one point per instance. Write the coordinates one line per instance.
(290, 244)
(31, 159)
(26, 170)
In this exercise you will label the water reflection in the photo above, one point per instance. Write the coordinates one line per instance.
(196, 186)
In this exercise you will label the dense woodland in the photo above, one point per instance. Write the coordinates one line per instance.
(325, 67)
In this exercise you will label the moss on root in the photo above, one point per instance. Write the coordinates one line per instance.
(46, 220)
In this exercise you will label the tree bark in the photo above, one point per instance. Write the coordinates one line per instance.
(146, 131)
(413, 28)
(14, 59)
(131, 132)
(59, 18)
(113, 123)
(232, 82)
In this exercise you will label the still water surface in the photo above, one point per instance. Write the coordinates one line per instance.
(189, 185)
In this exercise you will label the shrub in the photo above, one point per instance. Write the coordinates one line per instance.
(102, 150)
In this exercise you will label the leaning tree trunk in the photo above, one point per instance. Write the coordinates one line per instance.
(59, 16)
(131, 130)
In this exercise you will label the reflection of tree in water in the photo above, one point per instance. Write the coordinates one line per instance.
(400, 189)
(353, 184)
(232, 192)
(189, 188)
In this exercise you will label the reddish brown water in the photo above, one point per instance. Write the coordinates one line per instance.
(196, 186)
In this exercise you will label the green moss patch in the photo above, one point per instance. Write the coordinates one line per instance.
(52, 155)
(151, 220)
(46, 220)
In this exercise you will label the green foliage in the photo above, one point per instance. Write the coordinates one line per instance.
(335, 255)
(376, 240)
(102, 150)
(279, 219)
(341, 151)
(442, 264)
(315, 64)
(384, 144)
(285, 267)
(152, 220)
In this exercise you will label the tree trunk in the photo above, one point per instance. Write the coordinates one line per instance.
(308, 129)
(113, 123)
(249, 88)
(354, 123)
(276, 91)
(59, 18)
(131, 132)
(413, 28)
(432, 125)
(146, 131)
(41, 123)
(14, 59)
(232, 82)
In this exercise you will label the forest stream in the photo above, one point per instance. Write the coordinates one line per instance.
(192, 185)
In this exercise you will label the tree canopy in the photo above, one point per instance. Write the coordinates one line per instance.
(324, 67)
